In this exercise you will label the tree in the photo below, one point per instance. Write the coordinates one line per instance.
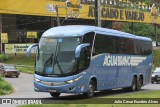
(143, 29)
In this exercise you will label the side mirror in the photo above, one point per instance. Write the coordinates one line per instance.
(29, 49)
(79, 49)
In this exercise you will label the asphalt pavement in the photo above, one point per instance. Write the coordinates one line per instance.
(23, 88)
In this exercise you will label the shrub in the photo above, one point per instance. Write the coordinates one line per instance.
(3, 57)
(1, 79)
(5, 87)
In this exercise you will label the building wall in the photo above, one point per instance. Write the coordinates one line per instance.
(29, 7)
(0, 29)
(9, 26)
(43, 8)
(0, 23)
(17, 26)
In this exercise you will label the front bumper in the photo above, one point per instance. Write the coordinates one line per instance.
(67, 88)
(156, 78)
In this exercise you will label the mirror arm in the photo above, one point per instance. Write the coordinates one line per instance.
(29, 49)
(79, 48)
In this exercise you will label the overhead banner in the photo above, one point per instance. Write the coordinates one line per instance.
(73, 8)
(51, 8)
(4, 38)
(18, 48)
(114, 10)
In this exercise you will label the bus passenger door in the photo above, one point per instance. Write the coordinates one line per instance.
(84, 60)
(102, 56)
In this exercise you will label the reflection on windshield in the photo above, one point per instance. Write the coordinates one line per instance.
(56, 56)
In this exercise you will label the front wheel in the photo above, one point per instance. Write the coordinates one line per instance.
(55, 94)
(91, 90)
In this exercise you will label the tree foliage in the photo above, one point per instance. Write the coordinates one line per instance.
(148, 1)
(143, 29)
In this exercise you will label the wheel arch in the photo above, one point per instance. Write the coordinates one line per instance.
(94, 79)
(141, 76)
(135, 75)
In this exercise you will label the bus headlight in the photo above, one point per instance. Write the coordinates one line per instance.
(73, 80)
(36, 80)
(153, 75)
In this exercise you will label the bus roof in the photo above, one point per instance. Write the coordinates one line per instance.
(80, 30)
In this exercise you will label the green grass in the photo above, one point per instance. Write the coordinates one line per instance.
(20, 60)
(144, 94)
(91, 102)
(5, 87)
(156, 58)
(26, 70)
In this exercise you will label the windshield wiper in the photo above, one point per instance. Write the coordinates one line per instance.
(49, 59)
(56, 60)
(59, 67)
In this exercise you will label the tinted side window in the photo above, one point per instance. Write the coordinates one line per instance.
(136, 47)
(119, 45)
(129, 46)
(142, 47)
(147, 48)
(125, 46)
(88, 38)
(104, 44)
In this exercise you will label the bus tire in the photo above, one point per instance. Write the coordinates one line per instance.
(139, 84)
(55, 94)
(134, 85)
(91, 89)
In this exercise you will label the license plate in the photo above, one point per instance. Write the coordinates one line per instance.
(52, 90)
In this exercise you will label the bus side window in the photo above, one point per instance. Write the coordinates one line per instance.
(104, 44)
(121, 46)
(88, 38)
(129, 46)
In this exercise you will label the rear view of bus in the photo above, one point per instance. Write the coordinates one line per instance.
(84, 59)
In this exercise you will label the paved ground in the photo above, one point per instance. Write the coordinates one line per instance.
(24, 89)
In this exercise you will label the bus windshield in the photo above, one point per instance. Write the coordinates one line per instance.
(56, 56)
